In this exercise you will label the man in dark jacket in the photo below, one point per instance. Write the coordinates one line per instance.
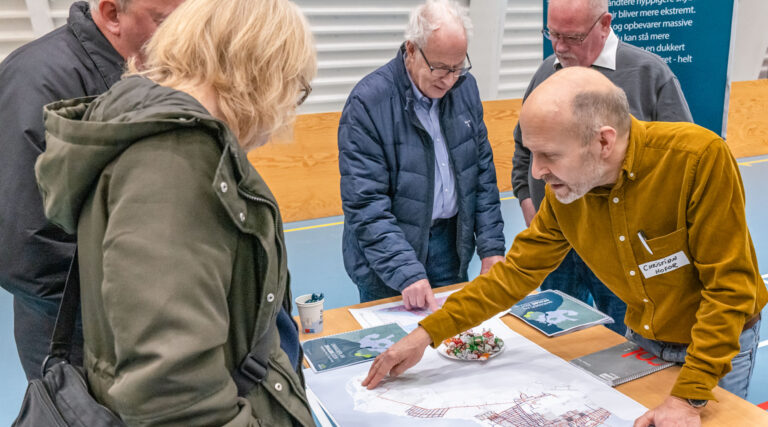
(418, 184)
(84, 57)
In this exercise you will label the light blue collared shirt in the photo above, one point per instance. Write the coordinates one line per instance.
(427, 110)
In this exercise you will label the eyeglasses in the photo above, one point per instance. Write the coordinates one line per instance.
(570, 39)
(306, 89)
(443, 71)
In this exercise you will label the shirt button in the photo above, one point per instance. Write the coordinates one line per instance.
(631, 272)
(631, 174)
(646, 327)
(223, 187)
(270, 297)
(442, 164)
(621, 238)
(242, 216)
(615, 200)
(645, 300)
(279, 387)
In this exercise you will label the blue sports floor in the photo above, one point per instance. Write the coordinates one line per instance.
(314, 257)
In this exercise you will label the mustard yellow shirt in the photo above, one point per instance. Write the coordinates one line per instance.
(680, 185)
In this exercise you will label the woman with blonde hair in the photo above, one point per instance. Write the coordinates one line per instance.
(184, 284)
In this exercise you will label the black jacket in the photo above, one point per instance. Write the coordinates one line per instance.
(71, 61)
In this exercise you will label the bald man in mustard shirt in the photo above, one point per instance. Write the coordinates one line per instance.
(656, 210)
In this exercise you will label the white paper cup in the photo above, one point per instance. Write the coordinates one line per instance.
(310, 314)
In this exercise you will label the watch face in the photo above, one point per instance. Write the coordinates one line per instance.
(697, 403)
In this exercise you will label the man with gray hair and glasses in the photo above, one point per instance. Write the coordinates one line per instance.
(82, 58)
(418, 184)
(581, 35)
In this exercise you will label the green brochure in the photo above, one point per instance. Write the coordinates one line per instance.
(349, 348)
(555, 313)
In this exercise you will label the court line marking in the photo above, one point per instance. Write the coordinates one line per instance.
(331, 224)
(752, 162)
(311, 227)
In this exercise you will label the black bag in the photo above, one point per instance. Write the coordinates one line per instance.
(61, 397)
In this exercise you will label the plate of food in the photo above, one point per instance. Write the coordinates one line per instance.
(471, 346)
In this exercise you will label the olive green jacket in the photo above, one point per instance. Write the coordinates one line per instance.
(182, 258)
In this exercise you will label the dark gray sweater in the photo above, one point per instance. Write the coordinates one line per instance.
(652, 89)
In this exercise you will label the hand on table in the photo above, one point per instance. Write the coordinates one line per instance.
(418, 295)
(487, 262)
(673, 412)
(398, 358)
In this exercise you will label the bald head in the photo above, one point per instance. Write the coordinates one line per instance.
(579, 100)
(576, 126)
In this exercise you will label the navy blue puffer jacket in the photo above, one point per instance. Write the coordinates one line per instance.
(387, 163)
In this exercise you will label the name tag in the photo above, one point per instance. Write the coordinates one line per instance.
(664, 265)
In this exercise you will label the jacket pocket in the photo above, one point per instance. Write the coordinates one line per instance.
(280, 399)
(663, 256)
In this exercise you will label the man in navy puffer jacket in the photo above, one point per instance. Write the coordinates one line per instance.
(418, 184)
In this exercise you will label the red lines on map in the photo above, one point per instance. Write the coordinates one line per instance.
(417, 412)
(521, 413)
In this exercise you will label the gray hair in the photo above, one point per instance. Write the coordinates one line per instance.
(94, 4)
(593, 7)
(591, 109)
(427, 18)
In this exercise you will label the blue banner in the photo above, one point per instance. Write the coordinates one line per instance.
(692, 36)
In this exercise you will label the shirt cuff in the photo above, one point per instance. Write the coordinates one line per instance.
(408, 281)
(439, 326)
(692, 384)
(486, 254)
(522, 193)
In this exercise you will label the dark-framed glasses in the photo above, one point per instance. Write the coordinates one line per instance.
(570, 39)
(444, 71)
(306, 89)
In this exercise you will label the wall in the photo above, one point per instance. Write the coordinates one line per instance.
(354, 37)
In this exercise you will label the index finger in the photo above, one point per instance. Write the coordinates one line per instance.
(431, 302)
(378, 371)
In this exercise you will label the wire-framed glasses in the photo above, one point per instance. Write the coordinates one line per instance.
(444, 71)
(570, 39)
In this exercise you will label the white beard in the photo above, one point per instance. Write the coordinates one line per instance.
(593, 172)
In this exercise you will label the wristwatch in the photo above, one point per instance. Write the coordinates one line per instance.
(697, 403)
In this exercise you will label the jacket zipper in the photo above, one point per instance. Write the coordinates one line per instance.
(267, 202)
(275, 213)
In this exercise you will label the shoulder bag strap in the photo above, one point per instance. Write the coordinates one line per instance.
(61, 341)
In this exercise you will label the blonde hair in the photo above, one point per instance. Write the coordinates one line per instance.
(256, 55)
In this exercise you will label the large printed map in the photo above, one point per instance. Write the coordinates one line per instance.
(523, 386)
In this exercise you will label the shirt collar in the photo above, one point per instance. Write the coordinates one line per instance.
(607, 57)
(634, 150)
(419, 96)
(108, 61)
